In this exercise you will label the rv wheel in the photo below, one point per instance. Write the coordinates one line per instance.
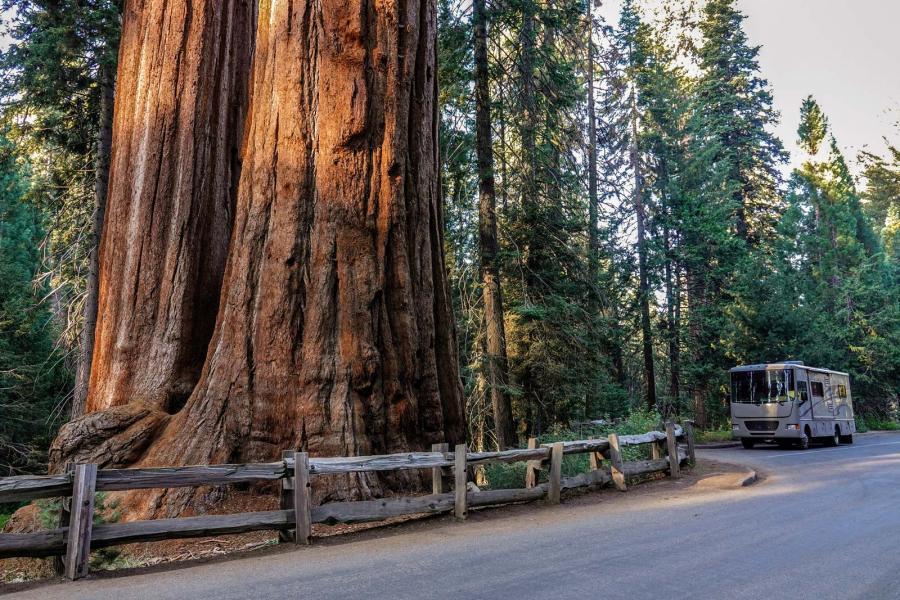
(748, 443)
(847, 439)
(804, 441)
(835, 439)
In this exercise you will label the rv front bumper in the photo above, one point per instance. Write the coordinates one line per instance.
(765, 429)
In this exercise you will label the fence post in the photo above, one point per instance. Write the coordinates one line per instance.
(459, 475)
(616, 466)
(595, 458)
(689, 436)
(532, 466)
(556, 456)
(655, 450)
(286, 502)
(78, 544)
(301, 498)
(674, 469)
(65, 503)
(437, 473)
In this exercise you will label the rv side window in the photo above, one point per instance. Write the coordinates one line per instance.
(818, 391)
(842, 391)
(803, 391)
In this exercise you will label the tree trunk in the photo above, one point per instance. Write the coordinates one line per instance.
(673, 324)
(107, 82)
(495, 343)
(697, 299)
(593, 238)
(334, 331)
(529, 192)
(180, 105)
(643, 277)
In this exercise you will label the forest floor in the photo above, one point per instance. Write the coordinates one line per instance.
(17, 574)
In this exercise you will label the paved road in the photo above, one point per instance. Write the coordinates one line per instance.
(824, 524)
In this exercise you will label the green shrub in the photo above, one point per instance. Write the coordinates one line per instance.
(503, 476)
(512, 475)
(878, 424)
(3, 520)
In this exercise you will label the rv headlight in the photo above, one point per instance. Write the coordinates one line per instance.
(792, 427)
(735, 426)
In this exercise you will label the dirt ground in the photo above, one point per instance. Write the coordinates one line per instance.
(17, 574)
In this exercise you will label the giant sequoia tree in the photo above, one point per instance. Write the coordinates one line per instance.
(334, 330)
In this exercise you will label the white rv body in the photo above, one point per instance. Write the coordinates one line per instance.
(790, 403)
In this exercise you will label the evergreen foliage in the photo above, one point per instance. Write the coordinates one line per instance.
(33, 378)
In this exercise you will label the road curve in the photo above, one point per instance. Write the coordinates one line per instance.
(825, 523)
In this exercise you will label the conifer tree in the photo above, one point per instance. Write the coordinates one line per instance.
(33, 380)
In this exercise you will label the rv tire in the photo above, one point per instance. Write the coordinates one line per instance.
(748, 443)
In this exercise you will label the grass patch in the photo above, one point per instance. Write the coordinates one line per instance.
(707, 437)
(4, 518)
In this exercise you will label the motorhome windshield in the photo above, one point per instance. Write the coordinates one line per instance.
(760, 387)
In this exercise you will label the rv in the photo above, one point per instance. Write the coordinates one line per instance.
(791, 404)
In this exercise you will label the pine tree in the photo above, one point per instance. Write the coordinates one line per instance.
(664, 94)
(33, 379)
(58, 82)
(736, 107)
(850, 312)
(634, 43)
(732, 201)
(881, 198)
(496, 363)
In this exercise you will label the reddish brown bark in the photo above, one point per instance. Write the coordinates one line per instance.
(107, 83)
(179, 110)
(334, 331)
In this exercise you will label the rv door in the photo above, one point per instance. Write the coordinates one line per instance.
(822, 403)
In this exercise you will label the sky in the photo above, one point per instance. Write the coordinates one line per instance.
(846, 53)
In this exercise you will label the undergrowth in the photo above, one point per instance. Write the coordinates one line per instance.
(512, 475)
(876, 424)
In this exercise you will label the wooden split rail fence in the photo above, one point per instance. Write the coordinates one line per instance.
(77, 535)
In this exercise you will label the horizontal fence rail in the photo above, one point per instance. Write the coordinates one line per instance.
(82, 481)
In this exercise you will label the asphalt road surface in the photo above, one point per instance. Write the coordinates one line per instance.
(824, 523)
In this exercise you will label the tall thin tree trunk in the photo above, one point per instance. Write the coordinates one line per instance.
(643, 278)
(593, 238)
(529, 192)
(107, 82)
(697, 299)
(504, 194)
(496, 359)
(673, 325)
